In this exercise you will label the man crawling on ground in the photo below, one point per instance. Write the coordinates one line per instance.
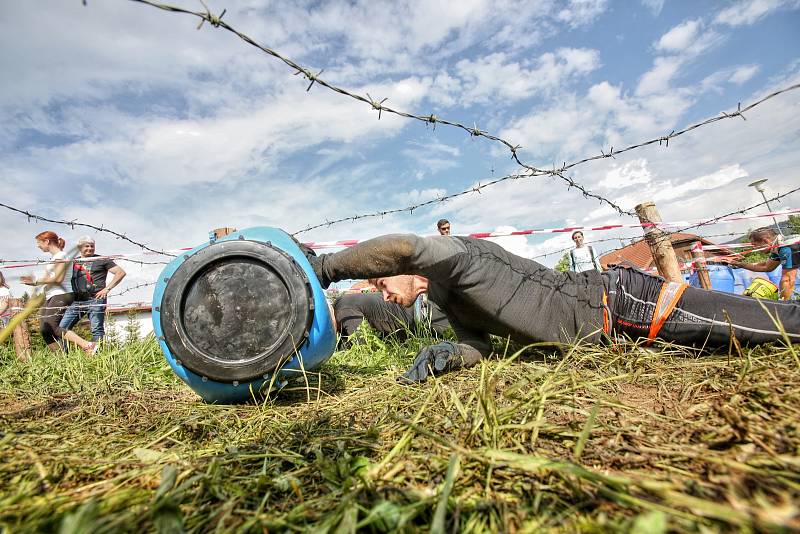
(484, 289)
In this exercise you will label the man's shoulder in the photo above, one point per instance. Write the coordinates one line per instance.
(102, 262)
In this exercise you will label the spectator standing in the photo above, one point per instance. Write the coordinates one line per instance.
(57, 293)
(582, 257)
(5, 302)
(443, 225)
(90, 289)
(787, 256)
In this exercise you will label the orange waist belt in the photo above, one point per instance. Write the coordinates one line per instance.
(668, 297)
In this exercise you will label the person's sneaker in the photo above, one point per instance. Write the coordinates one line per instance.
(91, 349)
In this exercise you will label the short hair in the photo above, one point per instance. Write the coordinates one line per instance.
(764, 231)
(576, 232)
(441, 222)
(85, 240)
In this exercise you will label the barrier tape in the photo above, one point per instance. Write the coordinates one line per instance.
(483, 235)
(344, 243)
(684, 266)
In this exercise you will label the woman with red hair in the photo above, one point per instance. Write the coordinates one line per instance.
(58, 293)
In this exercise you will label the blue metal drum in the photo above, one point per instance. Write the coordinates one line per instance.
(722, 278)
(238, 316)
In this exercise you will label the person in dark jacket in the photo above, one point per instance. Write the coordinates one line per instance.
(484, 289)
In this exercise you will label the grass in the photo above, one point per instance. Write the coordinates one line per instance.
(594, 439)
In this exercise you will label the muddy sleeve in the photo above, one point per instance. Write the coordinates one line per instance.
(390, 255)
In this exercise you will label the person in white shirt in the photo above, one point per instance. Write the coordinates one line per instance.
(582, 257)
(5, 302)
(58, 294)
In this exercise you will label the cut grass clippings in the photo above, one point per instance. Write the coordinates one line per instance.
(597, 439)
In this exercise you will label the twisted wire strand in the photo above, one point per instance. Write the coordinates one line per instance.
(73, 224)
(432, 119)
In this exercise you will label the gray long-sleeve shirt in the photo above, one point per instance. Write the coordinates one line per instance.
(483, 288)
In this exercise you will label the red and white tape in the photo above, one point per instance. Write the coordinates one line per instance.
(483, 235)
(343, 243)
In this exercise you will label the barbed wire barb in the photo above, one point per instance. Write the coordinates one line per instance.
(433, 119)
(73, 224)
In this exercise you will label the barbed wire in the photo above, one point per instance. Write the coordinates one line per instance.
(630, 238)
(714, 220)
(637, 239)
(58, 311)
(432, 119)
(378, 105)
(74, 223)
(40, 262)
(411, 209)
(132, 288)
(681, 230)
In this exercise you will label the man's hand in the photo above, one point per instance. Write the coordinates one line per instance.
(436, 359)
(103, 293)
(732, 261)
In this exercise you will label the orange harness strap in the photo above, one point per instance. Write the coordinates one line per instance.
(668, 298)
(606, 321)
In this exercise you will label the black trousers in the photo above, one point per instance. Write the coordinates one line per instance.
(51, 314)
(701, 318)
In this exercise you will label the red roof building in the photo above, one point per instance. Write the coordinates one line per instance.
(638, 254)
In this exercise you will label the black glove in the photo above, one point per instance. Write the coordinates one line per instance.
(436, 359)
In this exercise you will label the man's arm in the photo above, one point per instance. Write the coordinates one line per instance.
(762, 267)
(788, 281)
(595, 260)
(387, 255)
(118, 274)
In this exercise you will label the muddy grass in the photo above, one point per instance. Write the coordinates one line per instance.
(589, 440)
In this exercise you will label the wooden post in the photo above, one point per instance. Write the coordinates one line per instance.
(700, 265)
(660, 244)
(22, 339)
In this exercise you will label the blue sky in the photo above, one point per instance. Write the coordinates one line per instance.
(120, 114)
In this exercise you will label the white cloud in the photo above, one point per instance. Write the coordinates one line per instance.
(631, 173)
(736, 75)
(680, 37)
(433, 156)
(743, 74)
(716, 180)
(415, 196)
(516, 244)
(655, 6)
(580, 12)
(748, 11)
(496, 76)
(605, 117)
(659, 78)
